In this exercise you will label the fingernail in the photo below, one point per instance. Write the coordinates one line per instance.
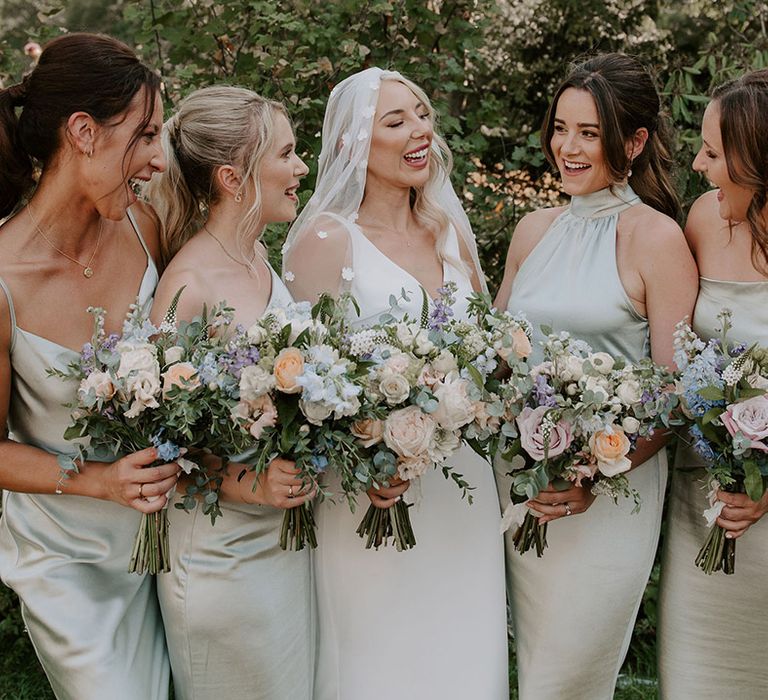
(728, 536)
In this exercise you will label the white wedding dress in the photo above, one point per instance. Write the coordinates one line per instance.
(429, 622)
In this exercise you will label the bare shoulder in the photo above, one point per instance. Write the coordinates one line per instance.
(704, 223)
(325, 235)
(530, 230)
(184, 272)
(149, 226)
(651, 229)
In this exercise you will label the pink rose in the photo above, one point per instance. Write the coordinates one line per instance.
(409, 432)
(529, 423)
(750, 418)
(182, 375)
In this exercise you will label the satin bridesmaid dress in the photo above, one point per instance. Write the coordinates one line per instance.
(574, 608)
(713, 636)
(238, 610)
(95, 627)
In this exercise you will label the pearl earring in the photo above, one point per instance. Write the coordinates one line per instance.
(238, 197)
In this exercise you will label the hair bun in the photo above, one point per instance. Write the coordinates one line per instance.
(18, 92)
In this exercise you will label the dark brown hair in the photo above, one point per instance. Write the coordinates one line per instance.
(89, 73)
(626, 100)
(743, 108)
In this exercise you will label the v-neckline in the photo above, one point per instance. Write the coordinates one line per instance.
(401, 268)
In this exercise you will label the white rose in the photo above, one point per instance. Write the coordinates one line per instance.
(174, 355)
(409, 432)
(413, 467)
(98, 382)
(597, 385)
(630, 425)
(405, 334)
(602, 362)
(257, 334)
(138, 358)
(444, 445)
(756, 381)
(397, 362)
(315, 411)
(454, 408)
(429, 376)
(445, 362)
(394, 387)
(629, 392)
(571, 369)
(255, 381)
(422, 344)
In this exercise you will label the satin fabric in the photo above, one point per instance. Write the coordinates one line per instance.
(574, 609)
(713, 640)
(95, 627)
(429, 622)
(238, 610)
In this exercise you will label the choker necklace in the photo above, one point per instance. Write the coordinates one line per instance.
(87, 269)
(247, 265)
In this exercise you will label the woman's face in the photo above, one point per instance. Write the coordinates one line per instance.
(279, 175)
(733, 199)
(116, 162)
(400, 139)
(576, 143)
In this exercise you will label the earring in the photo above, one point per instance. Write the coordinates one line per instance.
(239, 197)
(88, 152)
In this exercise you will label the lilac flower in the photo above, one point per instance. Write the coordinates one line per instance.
(543, 393)
(701, 444)
(442, 307)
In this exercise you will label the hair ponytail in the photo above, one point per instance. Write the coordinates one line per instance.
(16, 168)
(651, 176)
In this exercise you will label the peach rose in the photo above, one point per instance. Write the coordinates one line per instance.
(369, 431)
(182, 375)
(610, 450)
(98, 382)
(521, 345)
(264, 414)
(289, 365)
(409, 432)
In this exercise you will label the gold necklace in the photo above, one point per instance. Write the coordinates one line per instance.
(87, 269)
(247, 265)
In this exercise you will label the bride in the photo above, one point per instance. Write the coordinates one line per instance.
(428, 622)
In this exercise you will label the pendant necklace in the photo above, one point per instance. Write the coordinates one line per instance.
(87, 269)
(247, 265)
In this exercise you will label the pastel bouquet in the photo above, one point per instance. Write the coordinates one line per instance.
(583, 414)
(723, 390)
(428, 388)
(294, 393)
(141, 388)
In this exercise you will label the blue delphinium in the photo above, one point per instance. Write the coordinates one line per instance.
(702, 371)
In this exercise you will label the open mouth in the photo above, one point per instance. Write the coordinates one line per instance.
(572, 167)
(417, 158)
(291, 193)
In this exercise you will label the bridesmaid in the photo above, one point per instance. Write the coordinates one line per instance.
(613, 269)
(237, 609)
(90, 119)
(713, 640)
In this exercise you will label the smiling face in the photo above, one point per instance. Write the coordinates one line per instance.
(279, 174)
(734, 199)
(401, 138)
(576, 143)
(120, 157)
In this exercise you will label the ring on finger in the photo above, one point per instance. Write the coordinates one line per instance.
(568, 510)
(141, 491)
(290, 492)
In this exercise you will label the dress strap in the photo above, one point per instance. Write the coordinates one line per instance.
(132, 219)
(11, 311)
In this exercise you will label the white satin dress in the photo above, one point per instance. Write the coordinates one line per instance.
(429, 622)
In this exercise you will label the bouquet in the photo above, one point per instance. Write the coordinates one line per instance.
(724, 398)
(428, 388)
(583, 414)
(293, 392)
(146, 387)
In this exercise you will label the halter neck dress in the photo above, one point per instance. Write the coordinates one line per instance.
(95, 627)
(713, 637)
(574, 608)
(429, 622)
(238, 610)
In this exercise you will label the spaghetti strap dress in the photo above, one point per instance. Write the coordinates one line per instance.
(96, 628)
(574, 609)
(238, 610)
(713, 636)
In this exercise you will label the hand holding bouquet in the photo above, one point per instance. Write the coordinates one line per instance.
(724, 398)
(582, 416)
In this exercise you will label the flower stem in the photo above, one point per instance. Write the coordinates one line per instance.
(379, 524)
(531, 534)
(298, 528)
(718, 553)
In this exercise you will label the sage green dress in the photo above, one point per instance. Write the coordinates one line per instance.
(573, 609)
(238, 610)
(713, 630)
(96, 628)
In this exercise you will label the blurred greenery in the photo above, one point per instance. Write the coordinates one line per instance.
(489, 66)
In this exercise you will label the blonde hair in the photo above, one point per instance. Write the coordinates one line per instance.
(214, 126)
(425, 199)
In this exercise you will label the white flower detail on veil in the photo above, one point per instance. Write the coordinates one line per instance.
(289, 276)
(347, 273)
(362, 135)
(322, 234)
(368, 112)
